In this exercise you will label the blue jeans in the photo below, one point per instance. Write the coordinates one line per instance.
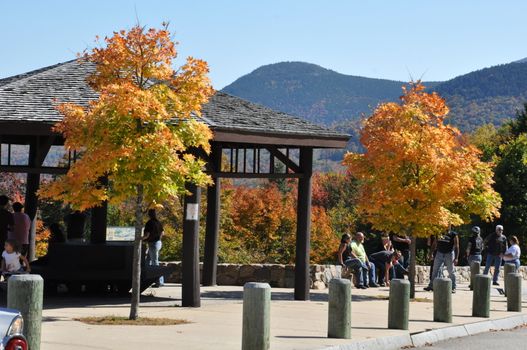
(361, 269)
(446, 259)
(472, 258)
(153, 257)
(368, 273)
(493, 260)
(516, 263)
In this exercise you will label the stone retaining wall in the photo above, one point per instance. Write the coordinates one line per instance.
(283, 276)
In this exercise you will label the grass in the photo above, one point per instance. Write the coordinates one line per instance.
(124, 321)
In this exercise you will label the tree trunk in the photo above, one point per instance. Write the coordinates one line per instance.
(136, 270)
(411, 275)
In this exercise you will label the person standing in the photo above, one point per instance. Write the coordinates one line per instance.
(153, 233)
(512, 255)
(447, 253)
(368, 269)
(6, 219)
(474, 246)
(402, 244)
(496, 244)
(21, 227)
(431, 243)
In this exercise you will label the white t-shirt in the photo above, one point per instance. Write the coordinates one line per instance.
(515, 251)
(12, 261)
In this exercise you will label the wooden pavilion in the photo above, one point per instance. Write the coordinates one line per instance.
(250, 138)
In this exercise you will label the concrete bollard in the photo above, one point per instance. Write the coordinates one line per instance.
(399, 304)
(443, 300)
(475, 269)
(507, 268)
(256, 316)
(25, 294)
(481, 296)
(339, 308)
(514, 292)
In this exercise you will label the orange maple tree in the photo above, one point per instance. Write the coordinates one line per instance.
(419, 175)
(133, 139)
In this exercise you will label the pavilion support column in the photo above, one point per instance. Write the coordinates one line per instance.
(303, 226)
(31, 198)
(210, 259)
(190, 262)
(30, 208)
(212, 230)
(99, 220)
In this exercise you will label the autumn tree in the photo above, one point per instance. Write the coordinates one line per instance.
(419, 175)
(134, 138)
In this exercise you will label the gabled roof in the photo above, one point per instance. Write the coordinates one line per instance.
(29, 98)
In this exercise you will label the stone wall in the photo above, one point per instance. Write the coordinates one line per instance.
(283, 276)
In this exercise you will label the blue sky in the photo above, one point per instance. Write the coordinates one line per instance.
(386, 39)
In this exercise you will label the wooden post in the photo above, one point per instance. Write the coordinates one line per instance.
(256, 316)
(25, 294)
(339, 308)
(31, 199)
(30, 208)
(212, 229)
(303, 226)
(190, 262)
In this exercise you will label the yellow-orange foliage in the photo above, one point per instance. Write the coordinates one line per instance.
(419, 175)
(138, 130)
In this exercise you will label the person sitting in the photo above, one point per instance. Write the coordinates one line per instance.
(388, 264)
(512, 255)
(12, 259)
(368, 269)
(346, 258)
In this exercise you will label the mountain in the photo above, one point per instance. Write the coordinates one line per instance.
(490, 95)
(313, 92)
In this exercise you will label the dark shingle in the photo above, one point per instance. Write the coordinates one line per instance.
(30, 97)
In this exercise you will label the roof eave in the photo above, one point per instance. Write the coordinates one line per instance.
(280, 139)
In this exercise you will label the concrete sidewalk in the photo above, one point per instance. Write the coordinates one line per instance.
(217, 324)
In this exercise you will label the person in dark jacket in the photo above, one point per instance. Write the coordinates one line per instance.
(496, 245)
(447, 253)
(474, 246)
(152, 236)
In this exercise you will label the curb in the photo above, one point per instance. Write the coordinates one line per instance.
(434, 336)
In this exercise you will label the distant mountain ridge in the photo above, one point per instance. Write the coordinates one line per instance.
(489, 95)
(313, 92)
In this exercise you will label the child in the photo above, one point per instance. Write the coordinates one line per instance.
(11, 259)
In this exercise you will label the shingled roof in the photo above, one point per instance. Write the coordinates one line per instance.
(29, 98)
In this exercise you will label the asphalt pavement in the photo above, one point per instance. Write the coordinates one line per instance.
(514, 339)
